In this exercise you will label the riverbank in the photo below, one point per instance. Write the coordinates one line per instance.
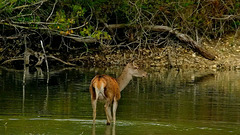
(225, 49)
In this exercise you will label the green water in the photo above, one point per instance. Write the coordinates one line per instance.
(172, 102)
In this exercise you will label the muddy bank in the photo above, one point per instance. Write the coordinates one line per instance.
(226, 51)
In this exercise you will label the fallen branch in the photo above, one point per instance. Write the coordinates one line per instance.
(182, 37)
(66, 63)
(226, 17)
(39, 56)
(10, 37)
(78, 59)
(13, 59)
(194, 45)
(82, 39)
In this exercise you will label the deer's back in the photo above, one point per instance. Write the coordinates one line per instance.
(111, 87)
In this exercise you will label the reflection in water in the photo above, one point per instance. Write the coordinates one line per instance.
(109, 130)
(46, 101)
(203, 78)
(23, 98)
(170, 96)
(27, 75)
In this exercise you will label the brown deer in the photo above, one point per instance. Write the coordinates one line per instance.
(107, 89)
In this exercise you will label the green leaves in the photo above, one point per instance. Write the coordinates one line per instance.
(86, 18)
(78, 11)
(89, 31)
(101, 35)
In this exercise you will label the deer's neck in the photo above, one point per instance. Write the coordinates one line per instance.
(124, 79)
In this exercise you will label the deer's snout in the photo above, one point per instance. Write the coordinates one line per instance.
(145, 74)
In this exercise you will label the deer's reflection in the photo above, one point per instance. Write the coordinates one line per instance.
(109, 130)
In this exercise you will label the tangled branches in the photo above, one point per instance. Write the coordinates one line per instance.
(76, 27)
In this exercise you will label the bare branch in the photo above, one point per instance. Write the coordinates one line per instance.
(66, 63)
(10, 37)
(182, 37)
(83, 39)
(24, 6)
(52, 10)
(11, 60)
(40, 57)
(226, 17)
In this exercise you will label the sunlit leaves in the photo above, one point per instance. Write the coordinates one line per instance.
(101, 35)
(66, 19)
(98, 34)
(86, 31)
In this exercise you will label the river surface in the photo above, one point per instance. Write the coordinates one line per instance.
(172, 102)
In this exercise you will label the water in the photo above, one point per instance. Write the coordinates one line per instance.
(169, 102)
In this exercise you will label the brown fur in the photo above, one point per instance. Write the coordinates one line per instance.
(111, 94)
(106, 88)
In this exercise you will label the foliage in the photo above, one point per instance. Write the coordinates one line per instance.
(85, 18)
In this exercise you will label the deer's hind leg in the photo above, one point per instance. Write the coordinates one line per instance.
(115, 105)
(108, 111)
(94, 107)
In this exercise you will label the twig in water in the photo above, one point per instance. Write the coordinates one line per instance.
(45, 56)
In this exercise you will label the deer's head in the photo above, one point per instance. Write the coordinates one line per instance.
(134, 70)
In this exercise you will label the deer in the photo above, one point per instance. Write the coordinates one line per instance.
(108, 89)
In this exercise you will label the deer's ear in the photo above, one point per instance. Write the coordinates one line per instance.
(132, 59)
(134, 65)
(131, 62)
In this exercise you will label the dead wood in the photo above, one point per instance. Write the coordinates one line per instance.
(40, 56)
(11, 60)
(182, 37)
(66, 63)
(82, 39)
(10, 37)
(159, 28)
